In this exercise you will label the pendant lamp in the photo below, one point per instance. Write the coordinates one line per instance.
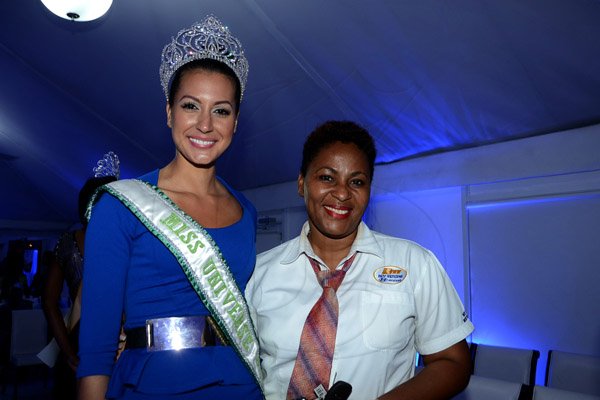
(78, 10)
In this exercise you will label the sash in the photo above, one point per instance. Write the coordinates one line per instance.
(200, 259)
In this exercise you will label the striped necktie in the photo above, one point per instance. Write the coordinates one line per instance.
(317, 342)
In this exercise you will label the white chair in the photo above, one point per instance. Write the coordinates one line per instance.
(29, 335)
(573, 372)
(505, 363)
(546, 393)
(482, 388)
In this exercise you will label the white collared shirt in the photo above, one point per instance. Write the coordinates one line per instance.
(385, 315)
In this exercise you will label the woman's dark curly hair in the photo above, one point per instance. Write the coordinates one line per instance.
(86, 192)
(338, 131)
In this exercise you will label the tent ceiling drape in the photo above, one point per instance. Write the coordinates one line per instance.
(423, 76)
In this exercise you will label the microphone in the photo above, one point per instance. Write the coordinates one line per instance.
(339, 391)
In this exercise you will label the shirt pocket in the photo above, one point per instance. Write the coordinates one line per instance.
(388, 319)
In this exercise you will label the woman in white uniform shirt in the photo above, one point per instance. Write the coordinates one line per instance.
(395, 299)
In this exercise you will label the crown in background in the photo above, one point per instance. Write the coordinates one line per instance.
(109, 165)
(206, 39)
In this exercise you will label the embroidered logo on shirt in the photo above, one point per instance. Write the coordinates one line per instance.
(390, 275)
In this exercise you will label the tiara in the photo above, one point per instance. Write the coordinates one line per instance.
(206, 39)
(107, 166)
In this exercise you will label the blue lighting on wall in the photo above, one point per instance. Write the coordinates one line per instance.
(520, 202)
(533, 273)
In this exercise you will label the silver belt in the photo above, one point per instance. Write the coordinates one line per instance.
(175, 333)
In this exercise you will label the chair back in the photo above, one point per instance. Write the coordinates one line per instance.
(506, 363)
(29, 335)
(546, 393)
(480, 387)
(573, 372)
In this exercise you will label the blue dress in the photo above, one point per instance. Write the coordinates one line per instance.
(129, 272)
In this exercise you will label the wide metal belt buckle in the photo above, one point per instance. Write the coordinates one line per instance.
(174, 333)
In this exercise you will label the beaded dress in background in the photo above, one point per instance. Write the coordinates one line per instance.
(70, 260)
(68, 255)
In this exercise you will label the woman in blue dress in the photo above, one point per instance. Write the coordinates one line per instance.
(169, 254)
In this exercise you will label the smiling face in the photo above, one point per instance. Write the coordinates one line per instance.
(203, 116)
(336, 190)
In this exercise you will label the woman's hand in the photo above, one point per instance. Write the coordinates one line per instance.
(122, 343)
(73, 361)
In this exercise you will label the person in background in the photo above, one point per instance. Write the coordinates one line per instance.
(14, 282)
(39, 279)
(67, 266)
(174, 249)
(341, 302)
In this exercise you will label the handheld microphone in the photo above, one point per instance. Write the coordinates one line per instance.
(339, 391)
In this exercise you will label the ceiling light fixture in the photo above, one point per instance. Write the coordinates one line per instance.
(78, 10)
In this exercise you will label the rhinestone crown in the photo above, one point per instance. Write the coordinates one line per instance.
(206, 39)
(109, 165)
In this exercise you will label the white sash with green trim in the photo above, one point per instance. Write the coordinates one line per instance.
(201, 261)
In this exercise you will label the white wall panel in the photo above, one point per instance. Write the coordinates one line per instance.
(534, 266)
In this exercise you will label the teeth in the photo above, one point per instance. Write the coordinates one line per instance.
(337, 211)
(202, 142)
